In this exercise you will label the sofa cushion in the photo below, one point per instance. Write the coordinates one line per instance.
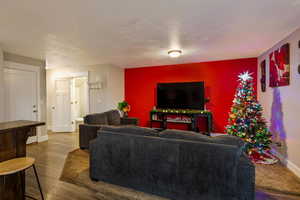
(193, 136)
(100, 118)
(129, 129)
(228, 139)
(184, 135)
(113, 117)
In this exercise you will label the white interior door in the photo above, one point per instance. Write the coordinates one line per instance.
(20, 95)
(80, 97)
(62, 116)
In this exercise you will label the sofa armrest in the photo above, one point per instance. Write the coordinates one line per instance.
(246, 178)
(87, 132)
(129, 121)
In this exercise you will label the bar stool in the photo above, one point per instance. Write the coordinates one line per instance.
(18, 165)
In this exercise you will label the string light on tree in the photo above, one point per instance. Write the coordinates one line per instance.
(246, 121)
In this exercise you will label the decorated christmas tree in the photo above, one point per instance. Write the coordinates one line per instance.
(247, 122)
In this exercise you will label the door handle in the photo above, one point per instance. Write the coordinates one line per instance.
(35, 111)
(53, 107)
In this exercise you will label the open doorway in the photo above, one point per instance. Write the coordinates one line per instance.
(71, 102)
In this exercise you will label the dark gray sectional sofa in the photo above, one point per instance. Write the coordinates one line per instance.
(174, 164)
(93, 122)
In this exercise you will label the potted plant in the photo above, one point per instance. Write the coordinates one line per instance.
(124, 108)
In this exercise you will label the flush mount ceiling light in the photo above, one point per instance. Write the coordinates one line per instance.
(174, 53)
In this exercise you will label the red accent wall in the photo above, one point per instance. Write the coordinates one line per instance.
(220, 79)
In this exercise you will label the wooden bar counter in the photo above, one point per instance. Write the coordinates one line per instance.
(13, 137)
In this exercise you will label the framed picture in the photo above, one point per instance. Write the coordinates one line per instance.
(263, 75)
(280, 66)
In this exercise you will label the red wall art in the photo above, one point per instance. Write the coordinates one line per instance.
(280, 66)
(263, 76)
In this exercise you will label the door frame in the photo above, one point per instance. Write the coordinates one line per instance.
(72, 75)
(36, 69)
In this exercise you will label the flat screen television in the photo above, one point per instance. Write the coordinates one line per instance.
(181, 95)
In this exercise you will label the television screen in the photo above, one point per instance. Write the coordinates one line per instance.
(181, 95)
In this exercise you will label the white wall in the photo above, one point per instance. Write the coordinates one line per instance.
(282, 106)
(112, 91)
(1, 86)
(116, 86)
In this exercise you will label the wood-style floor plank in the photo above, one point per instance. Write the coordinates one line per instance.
(50, 157)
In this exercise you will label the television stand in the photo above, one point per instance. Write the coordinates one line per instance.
(189, 117)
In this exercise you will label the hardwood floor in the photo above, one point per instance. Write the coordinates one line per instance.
(50, 157)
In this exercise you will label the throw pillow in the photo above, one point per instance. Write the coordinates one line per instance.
(113, 117)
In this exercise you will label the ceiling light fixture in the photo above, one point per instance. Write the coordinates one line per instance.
(174, 53)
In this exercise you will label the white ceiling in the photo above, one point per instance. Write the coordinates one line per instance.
(131, 33)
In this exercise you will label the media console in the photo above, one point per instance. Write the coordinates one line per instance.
(165, 116)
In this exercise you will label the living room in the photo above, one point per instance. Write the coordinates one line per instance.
(149, 100)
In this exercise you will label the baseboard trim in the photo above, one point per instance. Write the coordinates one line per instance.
(216, 134)
(31, 140)
(294, 168)
(43, 138)
(289, 164)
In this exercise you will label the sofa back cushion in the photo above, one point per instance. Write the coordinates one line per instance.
(99, 118)
(184, 135)
(228, 139)
(113, 117)
(193, 136)
(130, 129)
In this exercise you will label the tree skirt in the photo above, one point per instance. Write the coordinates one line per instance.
(266, 158)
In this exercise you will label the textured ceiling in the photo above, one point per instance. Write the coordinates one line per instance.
(131, 33)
